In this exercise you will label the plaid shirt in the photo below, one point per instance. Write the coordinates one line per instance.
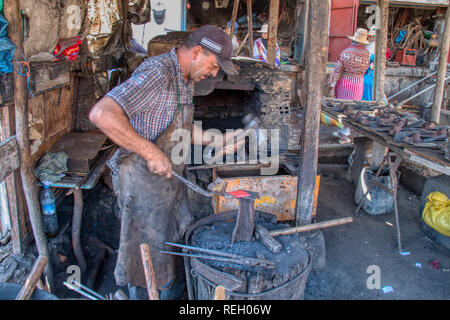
(152, 95)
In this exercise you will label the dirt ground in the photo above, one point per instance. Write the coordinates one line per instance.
(371, 240)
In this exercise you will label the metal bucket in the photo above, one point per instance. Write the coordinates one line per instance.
(202, 287)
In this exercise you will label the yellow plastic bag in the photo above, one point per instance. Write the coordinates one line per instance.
(436, 213)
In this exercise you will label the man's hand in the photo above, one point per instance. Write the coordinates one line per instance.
(159, 164)
(230, 146)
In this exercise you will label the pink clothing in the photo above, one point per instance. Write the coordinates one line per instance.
(350, 88)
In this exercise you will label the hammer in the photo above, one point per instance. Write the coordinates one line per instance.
(267, 240)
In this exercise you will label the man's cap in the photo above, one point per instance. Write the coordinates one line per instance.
(214, 39)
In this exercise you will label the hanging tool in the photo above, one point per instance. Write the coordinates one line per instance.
(220, 256)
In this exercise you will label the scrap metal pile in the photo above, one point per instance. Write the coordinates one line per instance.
(395, 124)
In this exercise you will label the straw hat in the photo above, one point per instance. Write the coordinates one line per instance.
(360, 36)
(264, 28)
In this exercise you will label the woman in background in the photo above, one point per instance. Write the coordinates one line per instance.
(368, 76)
(347, 78)
(260, 47)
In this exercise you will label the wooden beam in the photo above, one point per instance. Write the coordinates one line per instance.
(16, 202)
(234, 17)
(316, 63)
(380, 49)
(11, 12)
(9, 157)
(272, 34)
(250, 26)
(441, 71)
(32, 279)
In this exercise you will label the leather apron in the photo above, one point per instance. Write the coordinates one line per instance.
(153, 210)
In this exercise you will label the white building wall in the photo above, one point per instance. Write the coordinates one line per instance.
(172, 22)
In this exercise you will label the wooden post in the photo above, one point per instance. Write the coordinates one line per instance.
(441, 71)
(380, 49)
(233, 17)
(250, 26)
(150, 277)
(316, 62)
(11, 12)
(30, 283)
(272, 34)
(17, 209)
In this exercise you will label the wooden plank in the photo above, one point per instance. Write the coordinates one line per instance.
(18, 211)
(380, 51)
(441, 71)
(58, 106)
(272, 34)
(11, 12)
(379, 151)
(32, 279)
(316, 62)
(233, 17)
(406, 151)
(9, 157)
(150, 277)
(250, 26)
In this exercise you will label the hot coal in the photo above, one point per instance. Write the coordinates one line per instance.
(292, 260)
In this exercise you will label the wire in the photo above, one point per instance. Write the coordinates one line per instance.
(23, 69)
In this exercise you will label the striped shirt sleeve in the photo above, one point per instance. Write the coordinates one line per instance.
(140, 91)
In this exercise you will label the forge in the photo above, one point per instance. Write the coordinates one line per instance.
(227, 249)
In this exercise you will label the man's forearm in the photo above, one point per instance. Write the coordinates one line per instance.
(111, 119)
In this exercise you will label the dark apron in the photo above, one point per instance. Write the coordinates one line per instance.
(153, 210)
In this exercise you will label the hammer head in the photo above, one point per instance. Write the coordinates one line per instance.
(267, 240)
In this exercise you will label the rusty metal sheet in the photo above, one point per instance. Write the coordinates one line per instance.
(81, 148)
(277, 195)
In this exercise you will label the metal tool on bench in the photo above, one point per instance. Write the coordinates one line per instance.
(217, 187)
(220, 256)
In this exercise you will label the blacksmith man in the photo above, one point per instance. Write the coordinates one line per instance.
(139, 115)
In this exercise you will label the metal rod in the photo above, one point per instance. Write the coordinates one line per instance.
(411, 85)
(418, 94)
(200, 256)
(88, 290)
(84, 294)
(219, 253)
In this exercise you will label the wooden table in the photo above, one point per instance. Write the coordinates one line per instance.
(428, 157)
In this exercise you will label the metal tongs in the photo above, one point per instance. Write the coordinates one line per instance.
(221, 256)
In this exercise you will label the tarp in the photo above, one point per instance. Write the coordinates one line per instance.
(7, 48)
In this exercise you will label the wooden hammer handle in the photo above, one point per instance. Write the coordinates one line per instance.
(309, 227)
(152, 288)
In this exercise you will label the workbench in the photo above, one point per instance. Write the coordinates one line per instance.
(425, 156)
(428, 157)
(77, 184)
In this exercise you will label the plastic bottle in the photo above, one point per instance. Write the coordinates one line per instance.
(49, 217)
